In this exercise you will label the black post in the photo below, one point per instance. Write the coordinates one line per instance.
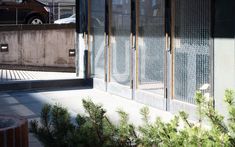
(86, 64)
(133, 17)
(77, 15)
(85, 16)
(81, 16)
(168, 17)
(106, 17)
(82, 28)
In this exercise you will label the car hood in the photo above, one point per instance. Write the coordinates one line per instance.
(65, 21)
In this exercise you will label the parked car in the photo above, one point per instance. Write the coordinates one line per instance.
(24, 12)
(68, 20)
(72, 19)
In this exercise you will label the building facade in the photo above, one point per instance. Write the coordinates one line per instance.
(158, 52)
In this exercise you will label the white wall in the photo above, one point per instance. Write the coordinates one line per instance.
(224, 51)
(224, 69)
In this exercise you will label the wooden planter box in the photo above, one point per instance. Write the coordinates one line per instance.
(13, 131)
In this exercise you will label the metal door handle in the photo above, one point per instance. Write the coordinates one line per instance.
(168, 47)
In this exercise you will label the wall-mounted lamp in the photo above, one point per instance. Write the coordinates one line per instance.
(4, 48)
(72, 52)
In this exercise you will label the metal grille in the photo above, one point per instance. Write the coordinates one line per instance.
(191, 56)
(151, 45)
(121, 42)
(97, 40)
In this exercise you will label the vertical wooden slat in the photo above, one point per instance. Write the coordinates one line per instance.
(88, 37)
(137, 42)
(25, 135)
(105, 58)
(131, 61)
(166, 48)
(17, 137)
(165, 64)
(10, 137)
(1, 139)
(172, 46)
(109, 41)
(131, 47)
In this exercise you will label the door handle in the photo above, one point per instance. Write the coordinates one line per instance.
(168, 46)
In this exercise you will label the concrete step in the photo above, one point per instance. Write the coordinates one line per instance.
(36, 68)
(44, 84)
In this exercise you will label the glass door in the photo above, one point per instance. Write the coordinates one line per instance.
(191, 55)
(151, 55)
(151, 43)
(97, 42)
(120, 46)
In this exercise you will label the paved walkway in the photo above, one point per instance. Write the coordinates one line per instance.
(12, 73)
(29, 104)
(7, 75)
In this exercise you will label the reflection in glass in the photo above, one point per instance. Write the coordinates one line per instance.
(121, 42)
(151, 43)
(97, 40)
(191, 56)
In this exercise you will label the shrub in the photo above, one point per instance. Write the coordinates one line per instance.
(125, 132)
(95, 129)
(55, 127)
(192, 134)
(159, 133)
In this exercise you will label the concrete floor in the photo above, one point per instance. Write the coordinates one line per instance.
(29, 104)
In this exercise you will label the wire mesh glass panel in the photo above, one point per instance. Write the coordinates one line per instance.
(97, 39)
(120, 42)
(151, 45)
(191, 55)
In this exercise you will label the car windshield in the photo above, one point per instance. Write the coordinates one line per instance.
(43, 2)
(19, 1)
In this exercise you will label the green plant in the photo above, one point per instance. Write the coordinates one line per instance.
(125, 132)
(159, 133)
(229, 98)
(217, 135)
(55, 127)
(95, 129)
(99, 131)
(195, 134)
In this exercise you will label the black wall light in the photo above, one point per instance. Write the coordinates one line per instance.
(4, 48)
(72, 52)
